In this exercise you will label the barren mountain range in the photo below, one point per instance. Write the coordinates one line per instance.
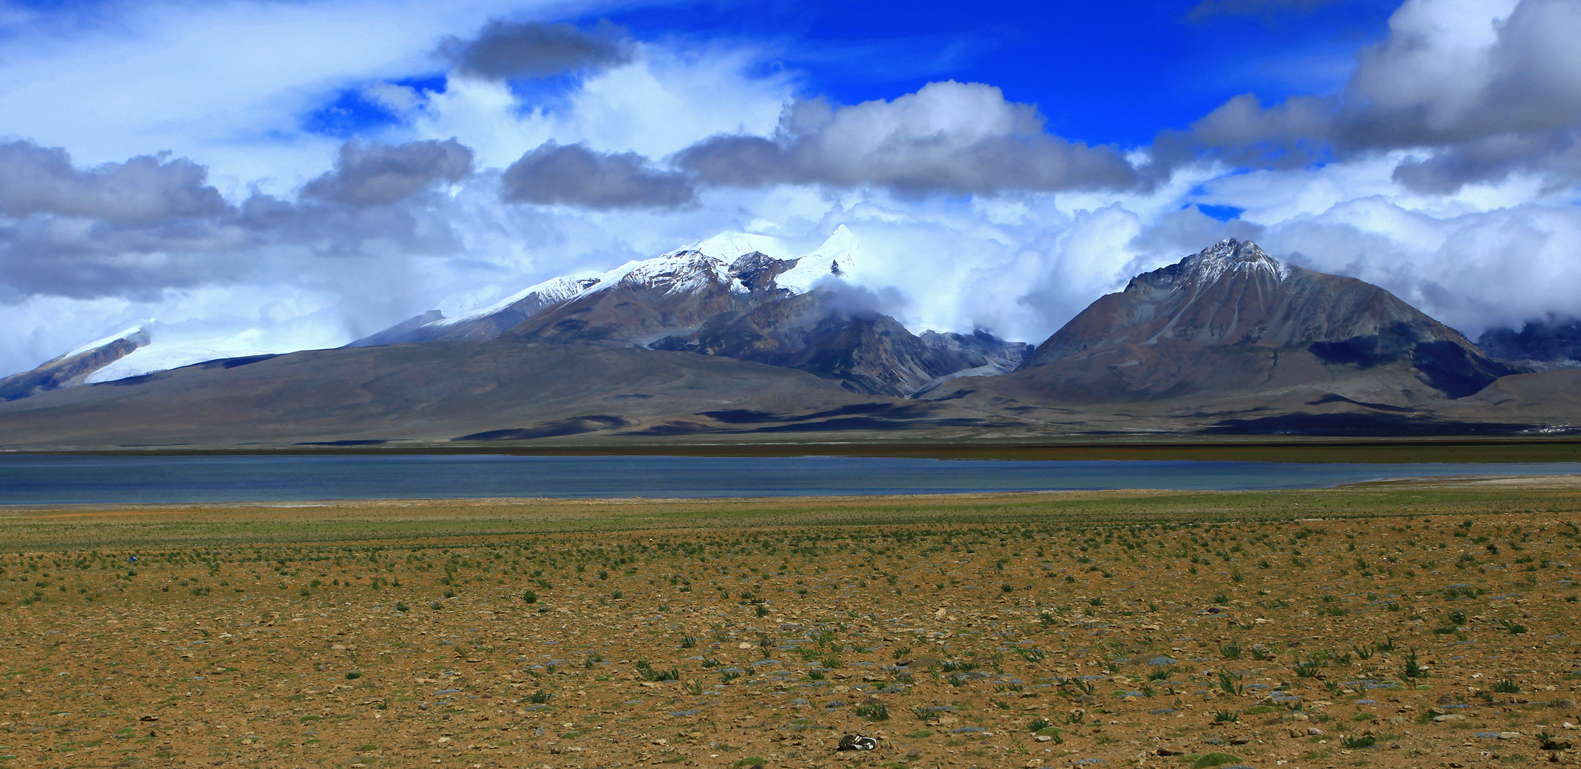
(722, 343)
(1542, 344)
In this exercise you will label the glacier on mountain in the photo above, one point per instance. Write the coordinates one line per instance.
(165, 354)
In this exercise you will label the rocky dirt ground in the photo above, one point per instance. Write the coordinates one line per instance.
(1427, 632)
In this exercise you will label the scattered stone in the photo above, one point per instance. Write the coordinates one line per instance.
(857, 742)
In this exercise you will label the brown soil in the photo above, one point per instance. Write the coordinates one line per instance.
(401, 634)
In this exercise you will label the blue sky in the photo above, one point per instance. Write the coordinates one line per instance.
(1103, 73)
(1113, 72)
(268, 175)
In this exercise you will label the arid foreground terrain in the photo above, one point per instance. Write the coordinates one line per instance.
(1387, 625)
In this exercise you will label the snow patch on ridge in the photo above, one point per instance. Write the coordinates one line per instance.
(553, 291)
(138, 335)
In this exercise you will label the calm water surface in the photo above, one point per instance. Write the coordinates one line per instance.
(50, 480)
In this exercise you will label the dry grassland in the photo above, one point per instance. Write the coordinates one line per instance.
(1388, 625)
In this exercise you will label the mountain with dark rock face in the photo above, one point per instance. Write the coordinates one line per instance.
(1232, 318)
(1543, 344)
(716, 299)
(865, 350)
(690, 302)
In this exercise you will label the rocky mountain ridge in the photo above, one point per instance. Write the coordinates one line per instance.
(1233, 318)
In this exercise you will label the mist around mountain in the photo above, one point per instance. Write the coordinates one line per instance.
(1542, 343)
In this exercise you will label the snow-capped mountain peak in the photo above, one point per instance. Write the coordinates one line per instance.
(713, 261)
(1229, 258)
(1230, 255)
(678, 272)
(837, 256)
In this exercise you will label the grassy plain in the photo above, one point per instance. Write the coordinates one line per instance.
(1402, 624)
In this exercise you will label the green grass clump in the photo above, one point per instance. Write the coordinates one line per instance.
(873, 711)
(647, 671)
(1412, 669)
(1215, 759)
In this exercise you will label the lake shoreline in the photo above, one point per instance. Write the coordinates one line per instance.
(1281, 449)
(37, 480)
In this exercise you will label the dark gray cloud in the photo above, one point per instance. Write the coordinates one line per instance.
(574, 175)
(1244, 122)
(265, 236)
(381, 174)
(147, 188)
(1492, 159)
(1428, 84)
(136, 229)
(1208, 9)
(1243, 132)
(954, 138)
(1483, 97)
(959, 138)
(506, 50)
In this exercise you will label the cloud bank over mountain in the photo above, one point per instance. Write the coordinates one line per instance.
(407, 159)
(952, 138)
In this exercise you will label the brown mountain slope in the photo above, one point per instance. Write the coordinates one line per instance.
(434, 392)
(503, 392)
